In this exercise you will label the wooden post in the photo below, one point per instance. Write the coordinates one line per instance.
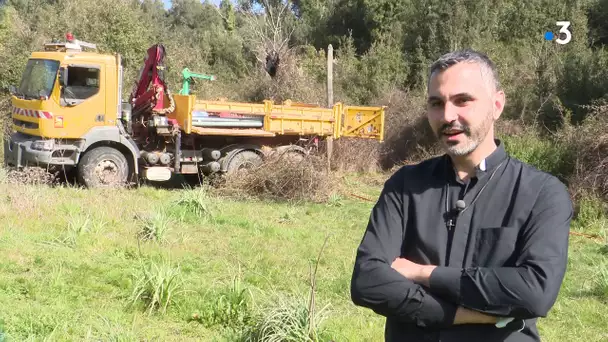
(330, 76)
(330, 100)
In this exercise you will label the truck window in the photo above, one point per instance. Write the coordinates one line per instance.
(83, 82)
(38, 78)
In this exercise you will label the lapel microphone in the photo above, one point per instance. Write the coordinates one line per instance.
(460, 205)
(454, 213)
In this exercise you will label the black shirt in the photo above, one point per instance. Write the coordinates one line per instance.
(505, 255)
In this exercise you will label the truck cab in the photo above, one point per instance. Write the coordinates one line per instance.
(67, 103)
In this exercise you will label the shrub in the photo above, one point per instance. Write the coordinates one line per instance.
(230, 308)
(155, 285)
(288, 319)
(280, 177)
(408, 136)
(542, 153)
(355, 155)
(589, 152)
(155, 227)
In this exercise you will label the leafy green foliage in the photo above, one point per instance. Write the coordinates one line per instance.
(288, 319)
(229, 308)
(155, 285)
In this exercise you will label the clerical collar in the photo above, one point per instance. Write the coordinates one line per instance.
(487, 164)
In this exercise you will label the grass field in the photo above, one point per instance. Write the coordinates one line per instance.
(101, 265)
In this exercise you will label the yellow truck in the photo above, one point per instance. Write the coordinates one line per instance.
(68, 112)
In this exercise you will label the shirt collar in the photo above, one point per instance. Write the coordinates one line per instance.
(493, 160)
(488, 164)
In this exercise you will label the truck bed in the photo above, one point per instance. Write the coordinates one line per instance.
(268, 119)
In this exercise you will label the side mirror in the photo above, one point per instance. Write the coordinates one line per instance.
(63, 76)
(12, 89)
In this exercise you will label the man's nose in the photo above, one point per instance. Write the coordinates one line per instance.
(450, 112)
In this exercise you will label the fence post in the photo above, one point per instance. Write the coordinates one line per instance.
(330, 101)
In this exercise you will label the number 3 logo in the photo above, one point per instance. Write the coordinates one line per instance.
(564, 29)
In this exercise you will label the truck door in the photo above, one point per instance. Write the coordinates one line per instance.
(82, 100)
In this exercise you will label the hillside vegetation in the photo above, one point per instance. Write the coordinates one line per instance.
(270, 49)
(202, 264)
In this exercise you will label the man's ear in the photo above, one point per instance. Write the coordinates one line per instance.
(498, 104)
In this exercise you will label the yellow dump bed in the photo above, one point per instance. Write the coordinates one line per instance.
(268, 119)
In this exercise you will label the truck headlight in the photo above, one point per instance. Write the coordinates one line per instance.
(43, 145)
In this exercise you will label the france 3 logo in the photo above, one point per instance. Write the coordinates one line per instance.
(564, 35)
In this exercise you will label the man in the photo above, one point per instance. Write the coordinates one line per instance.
(471, 245)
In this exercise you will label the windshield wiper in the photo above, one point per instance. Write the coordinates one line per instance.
(29, 97)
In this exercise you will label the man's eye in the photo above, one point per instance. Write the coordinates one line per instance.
(463, 101)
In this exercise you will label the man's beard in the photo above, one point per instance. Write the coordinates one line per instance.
(474, 136)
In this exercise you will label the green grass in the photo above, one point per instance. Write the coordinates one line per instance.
(184, 265)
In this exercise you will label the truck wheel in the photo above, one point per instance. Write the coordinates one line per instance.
(103, 167)
(292, 156)
(243, 160)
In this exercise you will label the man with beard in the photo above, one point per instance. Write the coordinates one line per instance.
(471, 245)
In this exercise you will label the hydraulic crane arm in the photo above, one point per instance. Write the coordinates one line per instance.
(187, 78)
(149, 92)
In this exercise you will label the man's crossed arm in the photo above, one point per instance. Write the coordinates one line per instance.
(421, 274)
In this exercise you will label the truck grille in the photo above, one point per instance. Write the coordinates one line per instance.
(25, 124)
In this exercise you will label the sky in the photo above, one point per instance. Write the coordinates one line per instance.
(168, 3)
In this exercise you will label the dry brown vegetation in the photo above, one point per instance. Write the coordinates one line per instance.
(282, 178)
(30, 175)
(588, 150)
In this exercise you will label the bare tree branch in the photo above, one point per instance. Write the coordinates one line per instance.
(268, 34)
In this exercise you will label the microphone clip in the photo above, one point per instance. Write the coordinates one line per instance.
(453, 214)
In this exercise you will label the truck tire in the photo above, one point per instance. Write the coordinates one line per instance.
(103, 167)
(290, 154)
(243, 160)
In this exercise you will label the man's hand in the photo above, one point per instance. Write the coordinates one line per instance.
(421, 274)
(417, 273)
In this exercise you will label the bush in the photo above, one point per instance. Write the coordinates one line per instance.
(289, 319)
(408, 136)
(577, 154)
(589, 152)
(155, 285)
(281, 177)
(543, 153)
(230, 308)
(355, 155)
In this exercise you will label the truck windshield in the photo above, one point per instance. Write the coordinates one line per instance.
(38, 78)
